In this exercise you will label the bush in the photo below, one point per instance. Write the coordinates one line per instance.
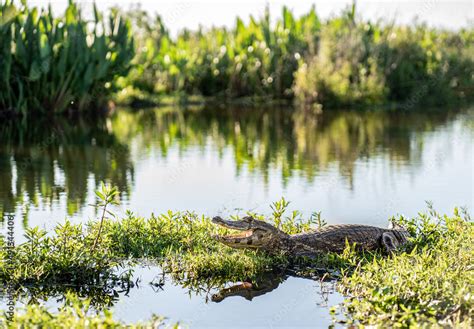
(344, 70)
(50, 65)
(363, 63)
(258, 59)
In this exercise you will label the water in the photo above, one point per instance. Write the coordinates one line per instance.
(295, 302)
(355, 167)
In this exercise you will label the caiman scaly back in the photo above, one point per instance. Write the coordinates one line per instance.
(258, 234)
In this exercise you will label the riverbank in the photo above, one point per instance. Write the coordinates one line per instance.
(428, 282)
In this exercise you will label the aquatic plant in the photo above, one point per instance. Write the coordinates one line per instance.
(52, 64)
(181, 243)
(64, 257)
(107, 196)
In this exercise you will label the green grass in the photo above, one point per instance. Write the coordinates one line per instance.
(431, 284)
(180, 242)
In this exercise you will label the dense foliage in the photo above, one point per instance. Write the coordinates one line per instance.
(256, 59)
(364, 63)
(51, 64)
(341, 61)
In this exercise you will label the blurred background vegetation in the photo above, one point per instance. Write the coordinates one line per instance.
(338, 62)
(51, 64)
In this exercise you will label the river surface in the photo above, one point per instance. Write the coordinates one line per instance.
(353, 166)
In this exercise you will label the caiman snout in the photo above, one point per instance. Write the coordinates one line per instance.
(244, 224)
(240, 240)
(254, 234)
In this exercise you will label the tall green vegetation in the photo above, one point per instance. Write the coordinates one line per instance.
(364, 63)
(344, 67)
(341, 61)
(51, 64)
(254, 59)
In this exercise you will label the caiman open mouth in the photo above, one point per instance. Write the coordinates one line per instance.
(242, 239)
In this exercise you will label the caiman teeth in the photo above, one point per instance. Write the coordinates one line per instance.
(242, 235)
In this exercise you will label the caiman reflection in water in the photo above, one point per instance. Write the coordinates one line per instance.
(249, 289)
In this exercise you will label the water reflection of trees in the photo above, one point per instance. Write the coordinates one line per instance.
(291, 142)
(42, 161)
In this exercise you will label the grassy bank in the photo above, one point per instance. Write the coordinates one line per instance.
(180, 242)
(429, 282)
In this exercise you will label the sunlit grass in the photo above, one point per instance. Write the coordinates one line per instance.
(430, 284)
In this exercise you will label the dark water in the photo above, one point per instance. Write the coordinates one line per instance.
(355, 167)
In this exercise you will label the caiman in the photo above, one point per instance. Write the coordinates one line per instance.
(258, 234)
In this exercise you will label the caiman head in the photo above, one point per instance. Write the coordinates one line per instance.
(255, 234)
(397, 237)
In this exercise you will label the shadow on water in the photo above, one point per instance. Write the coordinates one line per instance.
(44, 161)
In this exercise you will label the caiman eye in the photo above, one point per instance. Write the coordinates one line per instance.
(248, 219)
